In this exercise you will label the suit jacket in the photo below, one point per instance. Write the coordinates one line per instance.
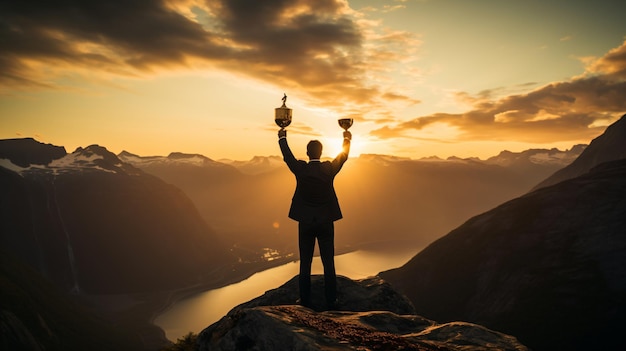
(315, 198)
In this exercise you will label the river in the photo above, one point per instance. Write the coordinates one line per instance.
(197, 312)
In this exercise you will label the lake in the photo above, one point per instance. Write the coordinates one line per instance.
(197, 312)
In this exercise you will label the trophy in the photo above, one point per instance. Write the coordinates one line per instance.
(282, 115)
(345, 123)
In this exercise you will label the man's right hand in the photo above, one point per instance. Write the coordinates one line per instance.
(282, 133)
(347, 135)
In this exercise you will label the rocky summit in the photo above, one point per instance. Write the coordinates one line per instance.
(370, 315)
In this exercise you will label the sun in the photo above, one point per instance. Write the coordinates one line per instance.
(332, 146)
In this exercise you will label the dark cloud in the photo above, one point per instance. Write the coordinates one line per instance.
(97, 33)
(562, 111)
(316, 47)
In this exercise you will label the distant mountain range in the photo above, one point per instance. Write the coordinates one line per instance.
(382, 197)
(548, 267)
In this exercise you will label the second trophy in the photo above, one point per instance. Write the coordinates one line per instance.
(345, 123)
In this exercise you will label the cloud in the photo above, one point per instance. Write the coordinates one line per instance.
(612, 65)
(320, 48)
(296, 128)
(560, 111)
(391, 8)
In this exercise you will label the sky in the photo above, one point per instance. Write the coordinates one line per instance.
(420, 78)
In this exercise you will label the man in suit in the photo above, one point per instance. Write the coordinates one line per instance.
(315, 206)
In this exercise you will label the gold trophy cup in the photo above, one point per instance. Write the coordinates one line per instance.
(282, 115)
(345, 123)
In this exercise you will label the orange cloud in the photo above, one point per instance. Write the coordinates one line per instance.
(611, 65)
(560, 111)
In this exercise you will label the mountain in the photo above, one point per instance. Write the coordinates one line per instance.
(177, 164)
(27, 151)
(235, 204)
(383, 198)
(257, 165)
(531, 157)
(548, 267)
(370, 316)
(93, 224)
(36, 316)
(609, 146)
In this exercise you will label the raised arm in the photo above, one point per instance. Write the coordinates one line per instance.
(343, 155)
(288, 156)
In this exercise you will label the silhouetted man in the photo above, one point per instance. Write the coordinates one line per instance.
(315, 206)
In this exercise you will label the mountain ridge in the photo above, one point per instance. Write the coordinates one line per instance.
(540, 267)
(609, 146)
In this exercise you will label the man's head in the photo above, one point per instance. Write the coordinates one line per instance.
(314, 149)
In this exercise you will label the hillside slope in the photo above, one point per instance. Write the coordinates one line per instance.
(548, 267)
(609, 146)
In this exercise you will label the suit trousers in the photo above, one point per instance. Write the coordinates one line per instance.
(324, 232)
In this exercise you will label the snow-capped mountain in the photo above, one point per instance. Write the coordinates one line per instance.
(257, 165)
(538, 156)
(93, 158)
(92, 223)
(173, 158)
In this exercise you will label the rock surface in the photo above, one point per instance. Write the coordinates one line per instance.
(370, 316)
(370, 294)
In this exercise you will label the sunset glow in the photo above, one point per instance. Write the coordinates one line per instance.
(419, 77)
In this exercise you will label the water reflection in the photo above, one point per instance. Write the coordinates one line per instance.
(199, 311)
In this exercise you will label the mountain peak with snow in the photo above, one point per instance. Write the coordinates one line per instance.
(178, 159)
(257, 164)
(194, 159)
(538, 156)
(93, 158)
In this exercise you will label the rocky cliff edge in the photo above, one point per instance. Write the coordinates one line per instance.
(370, 315)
